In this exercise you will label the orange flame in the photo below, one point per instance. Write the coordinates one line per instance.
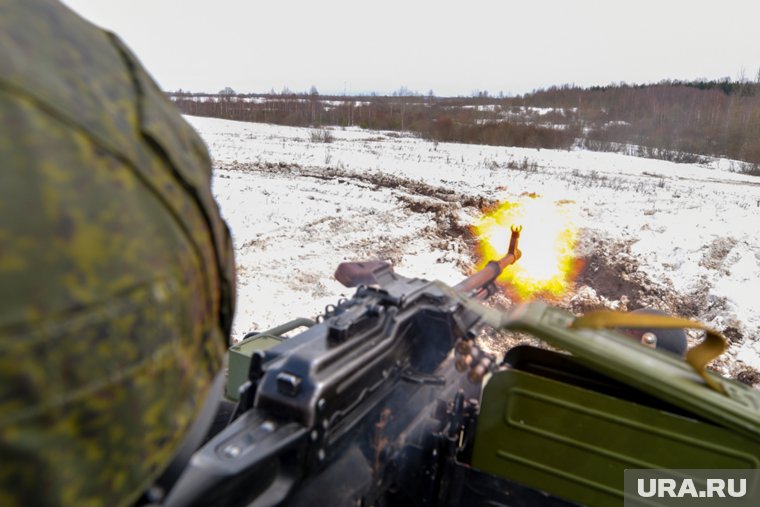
(548, 265)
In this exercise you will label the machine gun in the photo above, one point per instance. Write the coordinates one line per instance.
(388, 400)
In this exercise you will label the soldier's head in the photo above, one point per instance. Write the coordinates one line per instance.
(116, 274)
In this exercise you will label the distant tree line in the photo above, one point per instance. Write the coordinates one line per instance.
(437, 118)
(715, 118)
(667, 119)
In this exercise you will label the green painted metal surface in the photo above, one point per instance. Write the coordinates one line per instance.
(661, 375)
(575, 442)
(240, 354)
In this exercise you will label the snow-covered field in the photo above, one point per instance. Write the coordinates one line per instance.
(683, 238)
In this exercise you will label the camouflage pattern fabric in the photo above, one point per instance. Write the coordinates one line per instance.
(116, 272)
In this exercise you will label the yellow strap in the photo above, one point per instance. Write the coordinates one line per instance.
(711, 347)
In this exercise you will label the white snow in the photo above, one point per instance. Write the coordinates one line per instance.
(692, 227)
(540, 111)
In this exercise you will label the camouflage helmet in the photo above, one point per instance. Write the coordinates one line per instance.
(116, 272)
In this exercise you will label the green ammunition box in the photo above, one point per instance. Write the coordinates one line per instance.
(239, 355)
(570, 424)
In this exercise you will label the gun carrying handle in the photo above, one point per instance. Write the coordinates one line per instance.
(289, 326)
(283, 328)
(698, 356)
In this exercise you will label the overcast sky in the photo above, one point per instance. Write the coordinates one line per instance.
(452, 48)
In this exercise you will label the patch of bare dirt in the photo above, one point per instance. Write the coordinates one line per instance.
(749, 376)
(380, 249)
(611, 277)
(716, 253)
(416, 196)
(380, 180)
(610, 272)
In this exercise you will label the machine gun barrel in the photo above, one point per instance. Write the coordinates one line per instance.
(479, 285)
